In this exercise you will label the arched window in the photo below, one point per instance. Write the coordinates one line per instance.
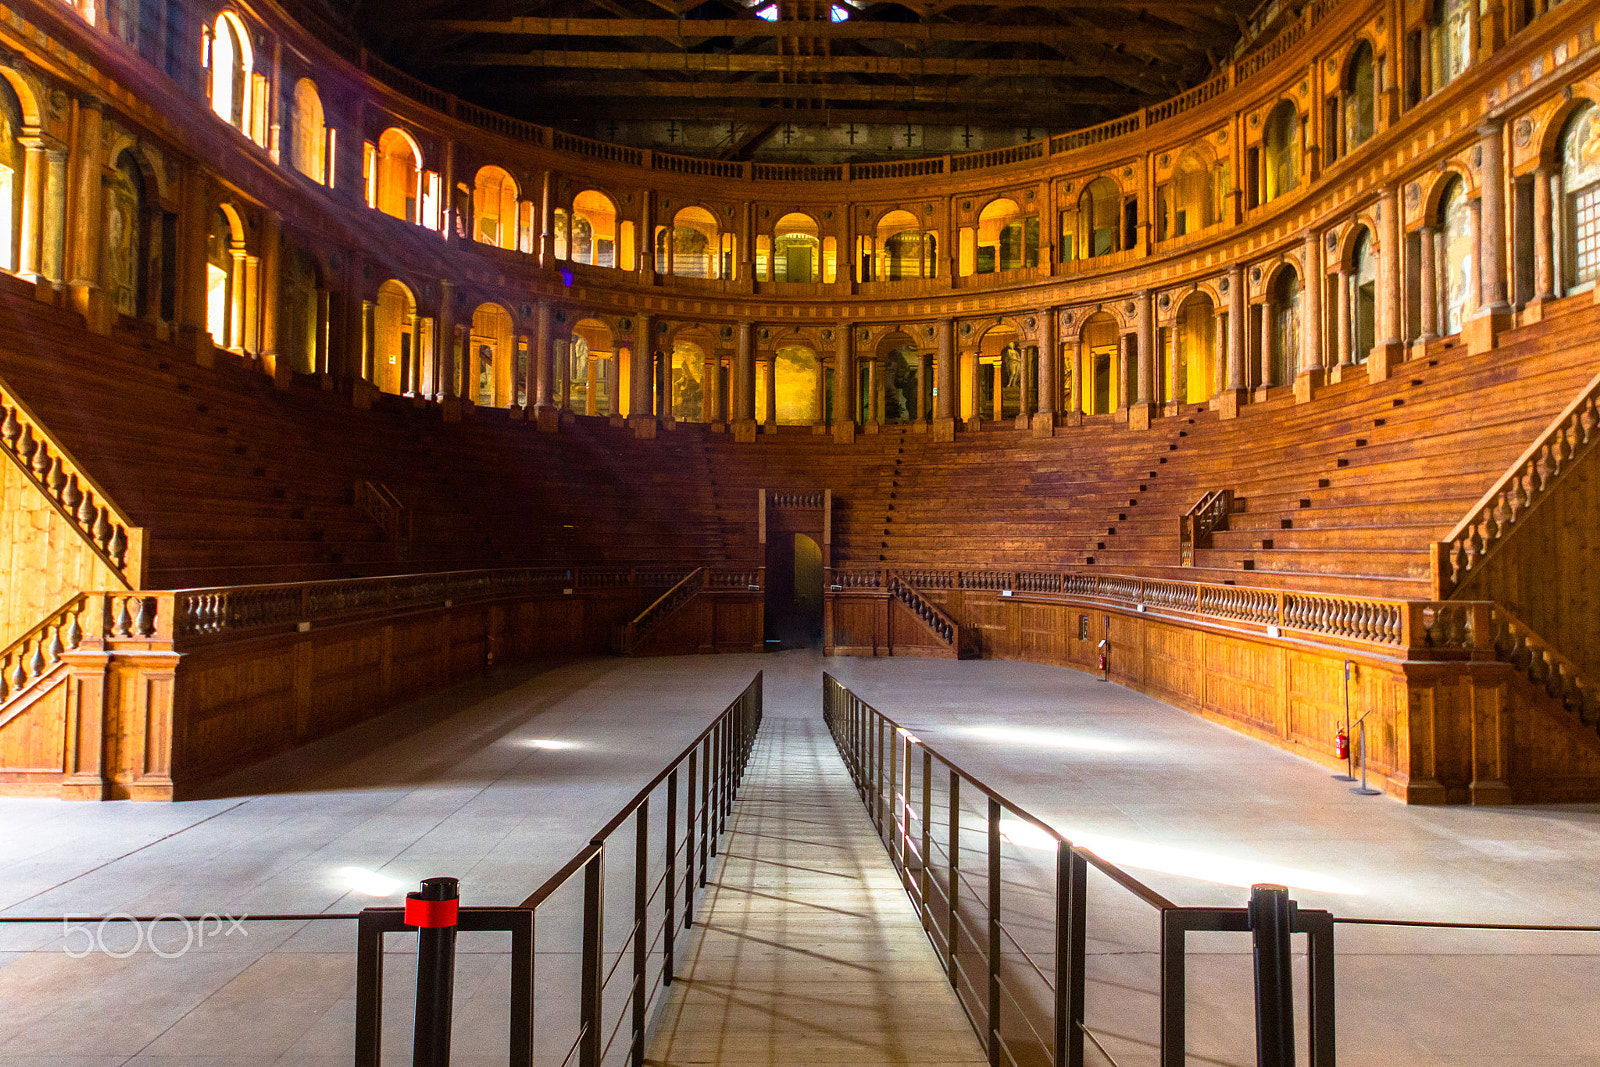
(693, 245)
(1280, 172)
(1197, 350)
(799, 387)
(903, 249)
(903, 381)
(396, 335)
(492, 376)
(1006, 238)
(1360, 113)
(1286, 325)
(231, 64)
(688, 382)
(1188, 202)
(1363, 296)
(1099, 215)
(592, 381)
(399, 175)
(308, 143)
(125, 248)
(11, 176)
(299, 299)
(1097, 344)
(594, 229)
(1580, 185)
(1455, 234)
(796, 249)
(220, 245)
(1449, 40)
(494, 208)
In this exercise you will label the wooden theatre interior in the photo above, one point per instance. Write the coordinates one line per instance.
(325, 388)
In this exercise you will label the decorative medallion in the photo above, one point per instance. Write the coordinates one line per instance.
(1032, 322)
(827, 335)
(966, 329)
(1477, 157)
(1128, 308)
(1255, 119)
(966, 205)
(727, 211)
(864, 335)
(667, 204)
(766, 213)
(1305, 87)
(1030, 195)
(1522, 133)
(526, 310)
(866, 213)
(1067, 188)
(366, 272)
(766, 335)
(628, 199)
(927, 331)
(1222, 137)
(625, 325)
(927, 209)
(1222, 285)
(561, 315)
(1333, 241)
(727, 333)
(1413, 196)
(662, 329)
(1067, 317)
(1166, 160)
(1166, 301)
(1255, 274)
(335, 262)
(1127, 172)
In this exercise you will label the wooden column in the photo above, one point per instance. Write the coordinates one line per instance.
(772, 391)
(745, 407)
(543, 360)
(945, 380)
(1543, 250)
(1145, 390)
(844, 384)
(1388, 269)
(1494, 310)
(646, 243)
(369, 341)
(1264, 342)
(1558, 235)
(83, 279)
(874, 376)
(447, 358)
(1044, 422)
(1346, 356)
(1311, 329)
(547, 228)
(1175, 396)
(641, 399)
(711, 386)
(1429, 295)
(1236, 328)
(30, 261)
(819, 414)
(267, 310)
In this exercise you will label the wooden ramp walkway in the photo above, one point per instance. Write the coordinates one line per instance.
(809, 951)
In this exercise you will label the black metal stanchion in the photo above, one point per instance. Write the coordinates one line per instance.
(1271, 915)
(1349, 755)
(433, 911)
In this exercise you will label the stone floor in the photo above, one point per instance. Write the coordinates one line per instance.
(500, 782)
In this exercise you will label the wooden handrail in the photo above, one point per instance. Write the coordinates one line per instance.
(1499, 512)
(1195, 527)
(105, 528)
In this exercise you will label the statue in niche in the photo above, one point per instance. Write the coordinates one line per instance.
(486, 375)
(1011, 366)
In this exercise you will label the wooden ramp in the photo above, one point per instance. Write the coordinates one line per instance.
(809, 952)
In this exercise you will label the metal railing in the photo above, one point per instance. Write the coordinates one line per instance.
(618, 974)
(1015, 950)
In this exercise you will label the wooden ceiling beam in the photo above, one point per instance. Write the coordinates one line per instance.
(998, 97)
(911, 67)
(694, 31)
(1009, 117)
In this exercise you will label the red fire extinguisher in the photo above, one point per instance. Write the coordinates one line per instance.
(1105, 664)
(1341, 745)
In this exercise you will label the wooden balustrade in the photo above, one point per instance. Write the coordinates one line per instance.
(1195, 527)
(1569, 437)
(1543, 665)
(86, 507)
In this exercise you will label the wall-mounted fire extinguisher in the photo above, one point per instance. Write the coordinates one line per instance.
(1105, 663)
(1341, 745)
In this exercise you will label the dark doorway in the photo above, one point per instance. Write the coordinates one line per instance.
(794, 591)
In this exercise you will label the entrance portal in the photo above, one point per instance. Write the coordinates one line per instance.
(794, 591)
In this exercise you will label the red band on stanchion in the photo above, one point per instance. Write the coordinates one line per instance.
(431, 914)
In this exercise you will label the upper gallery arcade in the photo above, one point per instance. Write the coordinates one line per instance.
(1377, 176)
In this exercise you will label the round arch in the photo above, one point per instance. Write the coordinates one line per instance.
(399, 175)
(395, 336)
(497, 367)
(1099, 339)
(590, 369)
(495, 207)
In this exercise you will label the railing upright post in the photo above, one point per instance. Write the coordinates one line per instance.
(670, 882)
(1172, 990)
(992, 1021)
(688, 843)
(923, 875)
(892, 838)
(589, 992)
(707, 844)
(952, 940)
(433, 911)
(1071, 914)
(877, 796)
(641, 947)
(1271, 914)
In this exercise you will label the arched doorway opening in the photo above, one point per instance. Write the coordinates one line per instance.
(1097, 344)
(794, 587)
(1197, 350)
(591, 369)
(798, 386)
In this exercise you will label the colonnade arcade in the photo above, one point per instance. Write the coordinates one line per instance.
(1025, 296)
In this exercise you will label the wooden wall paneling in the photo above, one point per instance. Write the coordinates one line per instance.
(43, 555)
(1544, 571)
(33, 742)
